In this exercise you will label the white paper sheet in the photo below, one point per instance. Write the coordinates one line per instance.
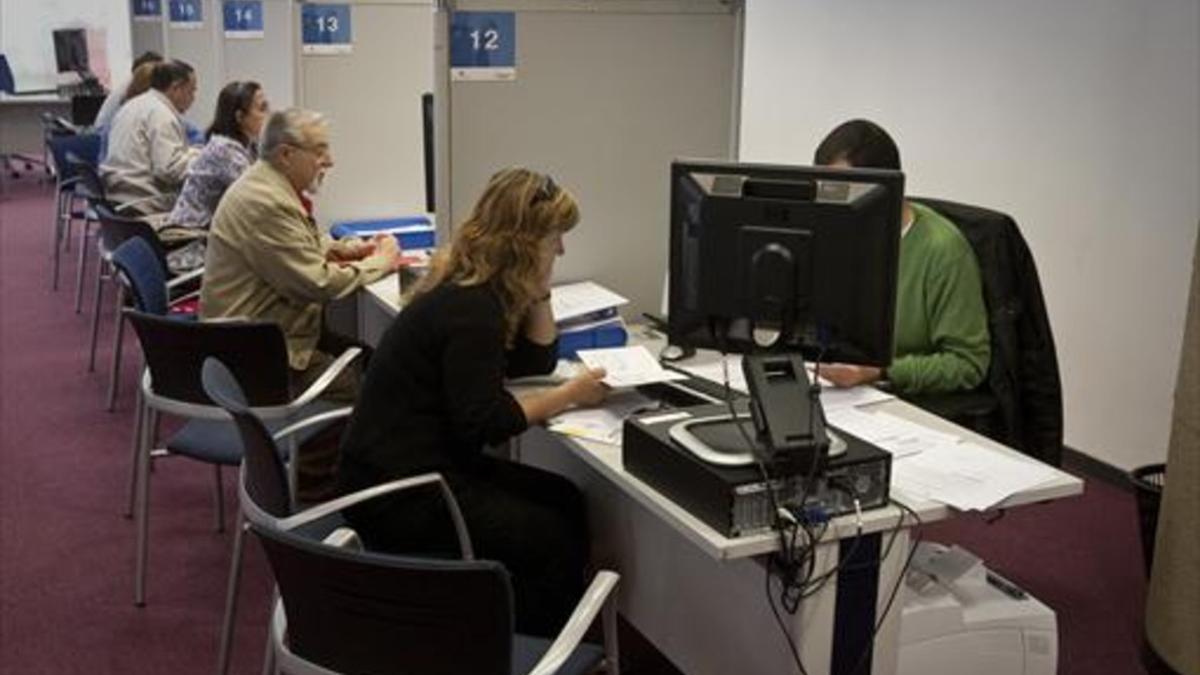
(898, 436)
(574, 300)
(628, 366)
(966, 476)
(602, 424)
(832, 397)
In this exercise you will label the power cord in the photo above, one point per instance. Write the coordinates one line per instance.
(887, 608)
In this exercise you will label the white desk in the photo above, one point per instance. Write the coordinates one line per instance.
(699, 596)
(21, 121)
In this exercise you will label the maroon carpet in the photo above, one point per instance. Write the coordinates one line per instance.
(66, 554)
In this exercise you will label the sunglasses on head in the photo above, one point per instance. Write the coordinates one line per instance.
(546, 191)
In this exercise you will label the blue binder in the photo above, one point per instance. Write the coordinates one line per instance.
(412, 231)
(597, 337)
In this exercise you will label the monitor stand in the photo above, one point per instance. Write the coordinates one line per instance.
(788, 423)
(717, 440)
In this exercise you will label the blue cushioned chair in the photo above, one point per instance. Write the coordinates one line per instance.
(344, 610)
(69, 206)
(141, 268)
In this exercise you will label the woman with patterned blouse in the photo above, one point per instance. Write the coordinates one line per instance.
(231, 149)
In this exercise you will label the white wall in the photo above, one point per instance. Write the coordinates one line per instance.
(1078, 117)
(26, 35)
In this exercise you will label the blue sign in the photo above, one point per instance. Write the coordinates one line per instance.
(483, 45)
(147, 10)
(325, 28)
(187, 13)
(243, 18)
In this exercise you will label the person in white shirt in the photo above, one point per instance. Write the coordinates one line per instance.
(148, 151)
(117, 95)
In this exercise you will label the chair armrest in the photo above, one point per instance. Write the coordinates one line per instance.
(133, 202)
(341, 503)
(344, 537)
(596, 597)
(321, 383)
(186, 296)
(307, 422)
(174, 282)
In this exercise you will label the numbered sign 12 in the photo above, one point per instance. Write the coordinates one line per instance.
(243, 19)
(483, 46)
(187, 14)
(147, 10)
(325, 29)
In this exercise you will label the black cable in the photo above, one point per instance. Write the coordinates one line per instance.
(779, 621)
(775, 512)
(862, 658)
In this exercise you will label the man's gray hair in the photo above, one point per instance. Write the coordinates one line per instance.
(288, 127)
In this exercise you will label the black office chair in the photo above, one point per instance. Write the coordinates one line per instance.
(350, 611)
(175, 352)
(1020, 402)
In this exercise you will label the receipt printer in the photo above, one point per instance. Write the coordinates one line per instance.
(959, 617)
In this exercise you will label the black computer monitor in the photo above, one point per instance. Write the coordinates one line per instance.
(70, 50)
(805, 254)
(778, 262)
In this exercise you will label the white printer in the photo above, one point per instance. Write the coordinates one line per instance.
(958, 617)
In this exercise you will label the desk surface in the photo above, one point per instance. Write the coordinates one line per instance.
(34, 99)
(606, 460)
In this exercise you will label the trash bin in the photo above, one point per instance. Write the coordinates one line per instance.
(1148, 484)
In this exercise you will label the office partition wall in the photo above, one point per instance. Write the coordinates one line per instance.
(602, 95)
(267, 56)
(197, 42)
(368, 80)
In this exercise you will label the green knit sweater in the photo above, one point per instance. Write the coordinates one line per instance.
(942, 341)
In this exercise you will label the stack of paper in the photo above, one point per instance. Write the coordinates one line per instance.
(966, 475)
(586, 316)
(898, 436)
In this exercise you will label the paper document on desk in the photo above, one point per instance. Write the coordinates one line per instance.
(571, 301)
(898, 436)
(714, 371)
(966, 475)
(602, 424)
(628, 366)
(832, 398)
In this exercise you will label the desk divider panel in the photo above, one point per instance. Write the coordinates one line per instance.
(200, 48)
(372, 98)
(606, 93)
(269, 60)
(145, 35)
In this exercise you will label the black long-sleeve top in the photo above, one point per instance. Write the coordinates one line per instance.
(434, 393)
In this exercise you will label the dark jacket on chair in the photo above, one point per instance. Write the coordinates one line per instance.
(1023, 375)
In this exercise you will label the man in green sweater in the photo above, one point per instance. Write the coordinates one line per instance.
(942, 341)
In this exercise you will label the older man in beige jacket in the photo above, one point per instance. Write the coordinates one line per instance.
(267, 259)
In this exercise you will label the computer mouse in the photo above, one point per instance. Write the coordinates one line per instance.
(672, 353)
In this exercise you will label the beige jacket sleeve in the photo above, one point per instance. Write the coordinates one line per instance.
(291, 258)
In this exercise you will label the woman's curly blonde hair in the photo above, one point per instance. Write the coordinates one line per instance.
(499, 242)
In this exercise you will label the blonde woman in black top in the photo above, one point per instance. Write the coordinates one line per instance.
(434, 397)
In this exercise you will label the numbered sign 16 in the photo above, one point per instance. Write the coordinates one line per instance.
(188, 14)
(483, 46)
(147, 10)
(243, 19)
(325, 28)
